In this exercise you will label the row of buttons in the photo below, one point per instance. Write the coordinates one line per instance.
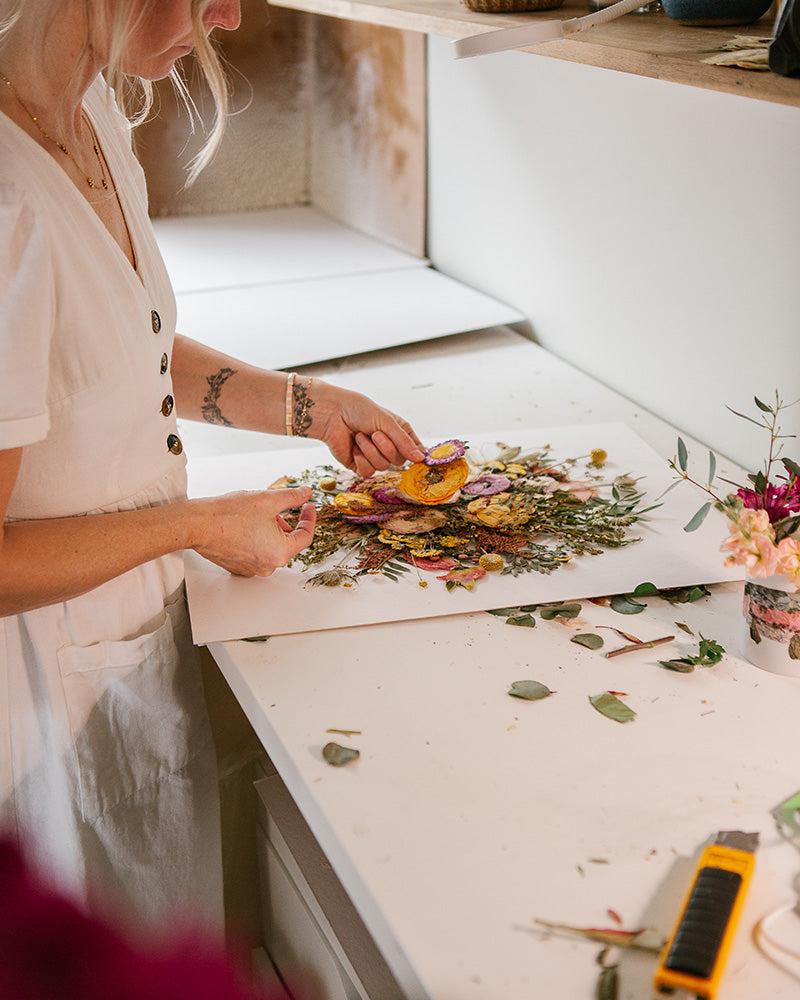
(174, 443)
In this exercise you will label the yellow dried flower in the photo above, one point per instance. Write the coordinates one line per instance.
(598, 456)
(496, 512)
(328, 484)
(491, 561)
(515, 470)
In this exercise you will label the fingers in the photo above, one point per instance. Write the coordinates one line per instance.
(379, 451)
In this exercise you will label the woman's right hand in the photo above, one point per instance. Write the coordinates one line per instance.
(246, 533)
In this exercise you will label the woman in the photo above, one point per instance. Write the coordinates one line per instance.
(106, 769)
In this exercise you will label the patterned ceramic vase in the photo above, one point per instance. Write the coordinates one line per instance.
(771, 627)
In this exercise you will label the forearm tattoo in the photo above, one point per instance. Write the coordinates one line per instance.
(301, 419)
(210, 409)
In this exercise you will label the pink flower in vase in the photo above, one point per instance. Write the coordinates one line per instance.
(789, 559)
(751, 543)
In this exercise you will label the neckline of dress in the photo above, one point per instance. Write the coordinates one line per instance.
(114, 167)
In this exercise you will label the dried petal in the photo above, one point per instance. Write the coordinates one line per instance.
(460, 575)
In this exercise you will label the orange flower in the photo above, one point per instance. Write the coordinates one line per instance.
(432, 484)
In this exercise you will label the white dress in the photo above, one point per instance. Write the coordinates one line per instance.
(107, 770)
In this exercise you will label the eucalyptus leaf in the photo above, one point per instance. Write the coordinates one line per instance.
(255, 638)
(588, 639)
(609, 705)
(762, 406)
(645, 590)
(712, 467)
(699, 517)
(683, 455)
(529, 690)
(551, 611)
(337, 755)
(624, 605)
(526, 621)
(681, 665)
(685, 595)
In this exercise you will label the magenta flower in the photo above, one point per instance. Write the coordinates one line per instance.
(778, 501)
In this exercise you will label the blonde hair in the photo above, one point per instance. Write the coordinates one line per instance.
(135, 95)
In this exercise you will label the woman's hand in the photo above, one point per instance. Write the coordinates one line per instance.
(246, 533)
(361, 435)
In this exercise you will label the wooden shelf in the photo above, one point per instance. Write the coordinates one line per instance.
(643, 44)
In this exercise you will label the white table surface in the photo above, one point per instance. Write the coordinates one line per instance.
(470, 813)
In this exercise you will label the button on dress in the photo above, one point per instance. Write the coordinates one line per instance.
(107, 769)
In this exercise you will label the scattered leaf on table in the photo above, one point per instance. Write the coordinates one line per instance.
(608, 984)
(588, 639)
(337, 755)
(344, 732)
(507, 612)
(608, 704)
(685, 595)
(255, 638)
(529, 690)
(526, 621)
(684, 628)
(550, 611)
(710, 651)
(625, 605)
(645, 590)
(682, 665)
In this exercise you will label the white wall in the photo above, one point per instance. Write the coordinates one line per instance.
(650, 231)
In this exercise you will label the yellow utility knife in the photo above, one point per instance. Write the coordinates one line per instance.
(694, 956)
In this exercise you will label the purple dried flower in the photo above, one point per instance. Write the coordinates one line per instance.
(447, 451)
(488, 484)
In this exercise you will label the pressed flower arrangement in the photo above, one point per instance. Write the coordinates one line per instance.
(764, 538)
(460, 519)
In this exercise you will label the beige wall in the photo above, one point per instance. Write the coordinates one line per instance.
(328, 112)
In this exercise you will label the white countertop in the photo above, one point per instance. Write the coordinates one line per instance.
(470, 813)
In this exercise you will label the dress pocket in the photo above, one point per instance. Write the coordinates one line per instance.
(131, 706)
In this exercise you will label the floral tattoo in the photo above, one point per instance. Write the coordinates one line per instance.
(210, 409)
(301, 419)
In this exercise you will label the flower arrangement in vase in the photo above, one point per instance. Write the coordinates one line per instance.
(764, 537)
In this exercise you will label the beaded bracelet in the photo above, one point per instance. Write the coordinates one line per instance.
(290, 403)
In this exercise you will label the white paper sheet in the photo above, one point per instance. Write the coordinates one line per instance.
(225, 607)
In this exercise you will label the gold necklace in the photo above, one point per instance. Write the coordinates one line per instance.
(62, 146)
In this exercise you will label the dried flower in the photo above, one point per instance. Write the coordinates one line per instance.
(447, 451)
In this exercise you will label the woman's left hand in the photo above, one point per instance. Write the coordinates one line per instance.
(361, 435)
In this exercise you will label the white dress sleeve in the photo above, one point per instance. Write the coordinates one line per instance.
(27, 313)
